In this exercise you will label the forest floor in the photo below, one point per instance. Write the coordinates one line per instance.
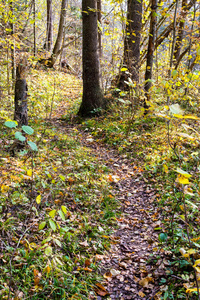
(86, 216)
(131, 268)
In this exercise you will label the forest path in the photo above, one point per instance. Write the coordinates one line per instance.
(131, 267)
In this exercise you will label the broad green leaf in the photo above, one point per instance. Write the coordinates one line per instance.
(48, 250)
(162, 237)
(182, 172)
(27, 129)
(19, 136)
(11, 124)
(42, 225)
(52, 225)
(174, 73)
(33, 146)
(38, 199)
(61, 214)
(176, 109)
(52, 213)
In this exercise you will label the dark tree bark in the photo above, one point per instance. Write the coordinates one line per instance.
(99, 30)
(150, 52)
(49, 62)
(21, 110)
(49, 41)
(12, 49)
(34, 28)
(179, 37)
(92, 100)
(131, 58)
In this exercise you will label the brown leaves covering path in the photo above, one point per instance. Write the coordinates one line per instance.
(131, 267)
(128, 268)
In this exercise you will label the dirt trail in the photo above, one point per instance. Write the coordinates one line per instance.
(129, 269)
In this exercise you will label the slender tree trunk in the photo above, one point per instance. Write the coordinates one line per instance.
(34, 28)
(131, 58)
(165, 33)
(49, 41)
(92, 100)
(99, 28)
(181, 25)
(12, 50)
(59, 39)
(150, 52)
(21, 109)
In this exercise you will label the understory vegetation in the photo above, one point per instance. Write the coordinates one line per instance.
(58, 202)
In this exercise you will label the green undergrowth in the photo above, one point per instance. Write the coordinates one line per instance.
(57, 212)
(166, 148)
(57, 205)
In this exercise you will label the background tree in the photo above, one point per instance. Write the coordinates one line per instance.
(150, 52)
(131, 58)
(49, 40)
(92, 99)
(21, 108)
(57, 47)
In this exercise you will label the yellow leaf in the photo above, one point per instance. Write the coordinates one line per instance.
(38, 199)
(197, 269)
(47, 269)
(52, 213)
(29, 172)
(182, 172)
(4, 188)
(191, 117)
(182, 179)
(178, 116)
(141, 294)
(166, 168)
(191, 290)
(197, 262)
(64, 209)
(181, 207)
(191, 251)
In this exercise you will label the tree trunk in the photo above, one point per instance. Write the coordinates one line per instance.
(21, 110)
(165, 33)
(150, 52)
(34, 28)
(12, 48)
(99, 29)
(58, 43)
(131, 58)
(179, 37)
(49, 41)
(92, 100)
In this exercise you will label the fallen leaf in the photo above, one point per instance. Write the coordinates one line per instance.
(141, 294)
(85, 244)
(145, 281)
(115, 272)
